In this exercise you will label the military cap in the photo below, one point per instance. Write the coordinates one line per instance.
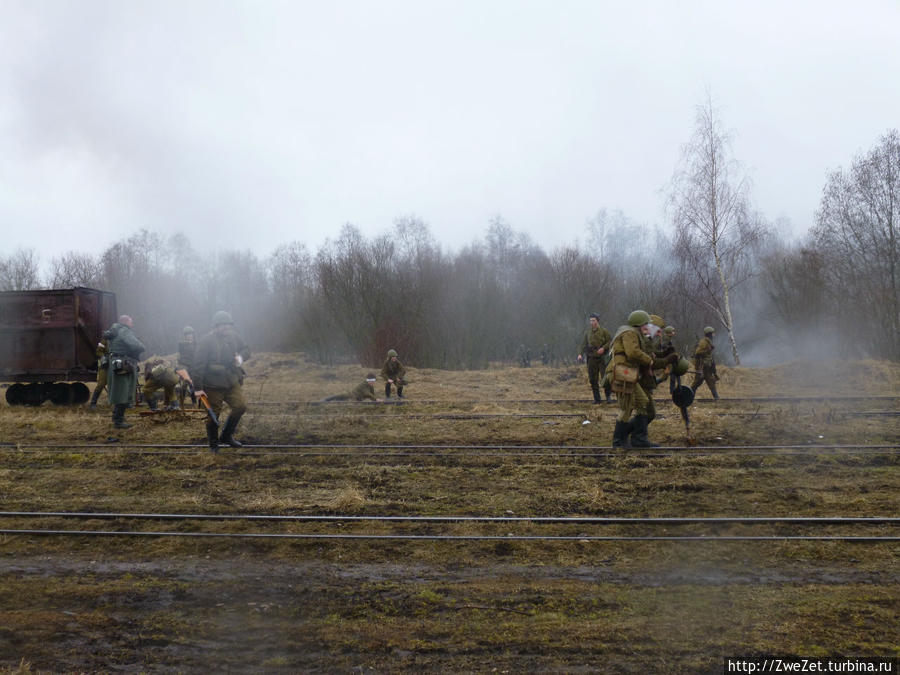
(657, 320)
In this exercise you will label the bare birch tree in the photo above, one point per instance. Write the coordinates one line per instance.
(714, 229)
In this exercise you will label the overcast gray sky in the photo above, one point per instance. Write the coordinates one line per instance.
(258, 123)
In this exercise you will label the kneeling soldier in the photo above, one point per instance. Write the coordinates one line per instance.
(393, 373)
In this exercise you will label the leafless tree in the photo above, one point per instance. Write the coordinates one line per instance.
(20, 271)
(714, 229)
(75, 269)
(858, 232)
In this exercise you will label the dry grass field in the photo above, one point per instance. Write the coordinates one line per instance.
(504, 442)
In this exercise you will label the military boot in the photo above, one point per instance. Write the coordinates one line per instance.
(639, 437)
(595, 388)
(118, 416)
(228, 432)
(608, 391)
(387, 389)
(212, 435)
(151, 402)
(94, 397)
(712, 388)
(399, 391)
(620, 435)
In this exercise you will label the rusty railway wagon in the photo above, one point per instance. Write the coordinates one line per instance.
(48, 343)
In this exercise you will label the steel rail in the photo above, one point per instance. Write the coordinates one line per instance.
(463, 537)
(408, 401)
(427, 446)
(451, 416)
(596, 520)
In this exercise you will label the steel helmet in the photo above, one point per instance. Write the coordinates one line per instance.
(187, 330)
(221, 317)
(669, 330)
(681, 366)
(392, 352)
(708, 330)
(638, 318)
(683, 396)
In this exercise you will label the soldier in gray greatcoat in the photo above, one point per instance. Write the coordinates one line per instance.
(218, 375)
(124, 352)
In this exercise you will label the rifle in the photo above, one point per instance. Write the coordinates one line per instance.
(209, 410)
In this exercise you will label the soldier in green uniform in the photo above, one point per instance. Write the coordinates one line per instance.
(364, 391)
(666, 347)
(187, 348)
(393, 373)
(705, 363)
(658, 371)
(124, 351)
(102, 370)
(627, 351)
(159, 374)
(218, 375)
(595, 346)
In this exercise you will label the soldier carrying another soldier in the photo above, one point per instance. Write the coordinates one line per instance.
(218, 375)
(623, 371)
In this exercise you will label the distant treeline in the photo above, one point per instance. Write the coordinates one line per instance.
(832, 294)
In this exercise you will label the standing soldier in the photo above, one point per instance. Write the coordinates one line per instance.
(627, 352)
(393, 372)
(595, 344)
(218, 375)
(102, 370)
(666, 347)
(705, 363)
(652, 375)
(186, 350)
(124, 351)
(523, 356)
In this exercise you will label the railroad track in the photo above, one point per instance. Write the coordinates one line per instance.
(310, 450)
(804, 527)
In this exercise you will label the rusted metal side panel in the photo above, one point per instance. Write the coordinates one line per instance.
(52, 335)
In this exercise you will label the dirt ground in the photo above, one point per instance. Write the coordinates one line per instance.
(192, 604)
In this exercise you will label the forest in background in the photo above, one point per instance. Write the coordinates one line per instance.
(832, 294)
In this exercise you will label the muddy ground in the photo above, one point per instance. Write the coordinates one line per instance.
(163, 604)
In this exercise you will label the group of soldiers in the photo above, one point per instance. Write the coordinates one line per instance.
(393, 372)
(634, 362)
(210, 369)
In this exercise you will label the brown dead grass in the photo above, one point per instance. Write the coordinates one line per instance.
(85, 605)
